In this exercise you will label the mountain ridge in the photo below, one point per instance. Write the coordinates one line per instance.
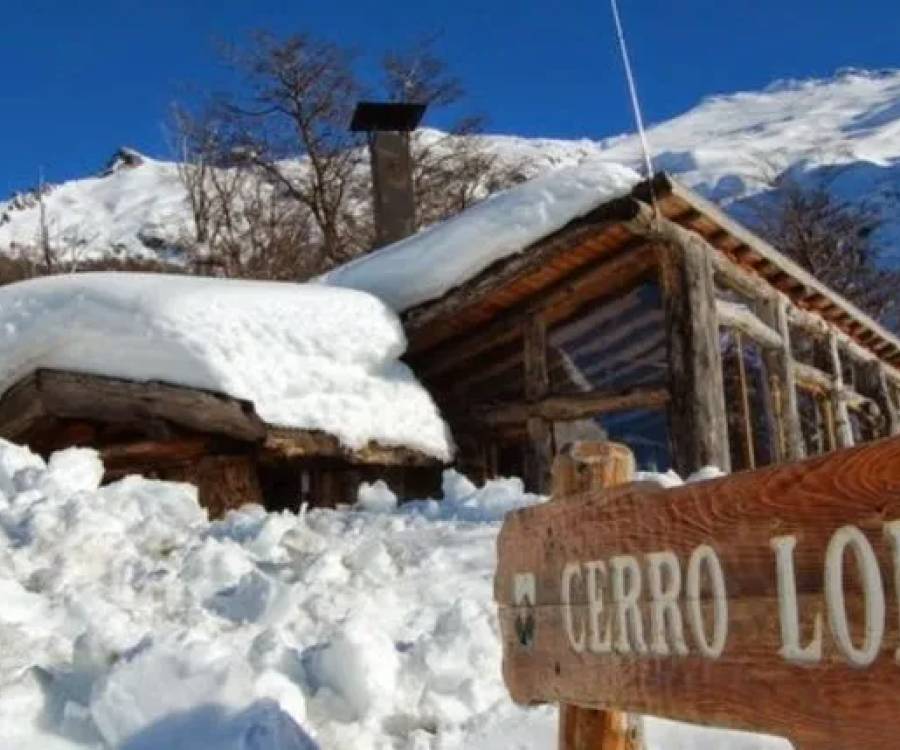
(841, 132)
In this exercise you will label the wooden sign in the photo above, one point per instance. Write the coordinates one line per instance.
(765, 601)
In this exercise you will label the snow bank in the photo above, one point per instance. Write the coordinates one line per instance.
(307, 356)
(430, 263)
(130, 621)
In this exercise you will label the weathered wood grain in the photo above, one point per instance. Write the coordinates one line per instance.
(75, 395)
(571, 406)
(697, 406)
(576, 469)
(826, 704)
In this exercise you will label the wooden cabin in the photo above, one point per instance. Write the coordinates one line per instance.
(672, 329)
(216, 442)
(658, 322)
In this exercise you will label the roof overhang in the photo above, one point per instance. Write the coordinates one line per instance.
(613, 228)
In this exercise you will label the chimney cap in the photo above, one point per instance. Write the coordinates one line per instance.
(396, 116)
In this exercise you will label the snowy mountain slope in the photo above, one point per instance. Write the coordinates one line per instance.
(843, 132)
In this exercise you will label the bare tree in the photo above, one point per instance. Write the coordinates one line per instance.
(301, 94)
(834, 240)
(451, 170)
(276, 181)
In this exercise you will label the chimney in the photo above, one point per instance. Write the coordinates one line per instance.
(388, 125)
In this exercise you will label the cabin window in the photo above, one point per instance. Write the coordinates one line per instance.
(752, 430)
(816, 421)
(610, 345)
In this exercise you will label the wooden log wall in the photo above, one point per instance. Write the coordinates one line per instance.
(689, 268)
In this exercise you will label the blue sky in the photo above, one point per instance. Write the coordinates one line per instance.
(81, 78)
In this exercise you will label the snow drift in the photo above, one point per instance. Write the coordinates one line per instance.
(130, 621)
(307, 356)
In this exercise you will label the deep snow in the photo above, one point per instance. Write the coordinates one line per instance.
(307, 356)
(130, 621)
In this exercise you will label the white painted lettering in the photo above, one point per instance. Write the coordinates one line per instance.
(570, 572)
(599, 621)
(892, 532)
(626, 590)
(873, 593)
(666, 625)
(705, 558)
(788, 614)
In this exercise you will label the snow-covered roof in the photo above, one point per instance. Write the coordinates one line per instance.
(434, 261)
(307, 356)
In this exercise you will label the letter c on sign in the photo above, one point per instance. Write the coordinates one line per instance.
(571, 571)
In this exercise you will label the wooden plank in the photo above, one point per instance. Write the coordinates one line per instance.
(578, 468)
(572, 406)
(149, 454)
(742, 319)
(73, 395)
(780, 365)
(842, 428)
(881, 388)
(621, 216)
(285, 443)
(743, 568)
(747, 419)
(537, 383)
(598, 279)
(697, 407)
(20, 408)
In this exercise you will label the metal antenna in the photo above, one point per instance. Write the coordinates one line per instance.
(635, 104)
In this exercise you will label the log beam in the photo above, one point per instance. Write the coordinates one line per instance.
(537, 383)
(843, 429)
(780, 365)
(697, 408)
(573, 406)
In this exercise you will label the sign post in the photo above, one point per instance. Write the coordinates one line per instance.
(765, 601)
(577, 469)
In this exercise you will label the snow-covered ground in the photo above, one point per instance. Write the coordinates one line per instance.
(306, 355)
(843, 132)
(127, 620)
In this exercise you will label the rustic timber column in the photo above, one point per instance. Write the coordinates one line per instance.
(698, 429)
(842, 429)
(579, 468)
(537, 383)
(780, 364)
(876, 374)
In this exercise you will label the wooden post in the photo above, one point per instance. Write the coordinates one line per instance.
(842, 429)
(880, 389)
(699, 432)
(580, 467)
(749, 448)
(780, 364)
(537, 383)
